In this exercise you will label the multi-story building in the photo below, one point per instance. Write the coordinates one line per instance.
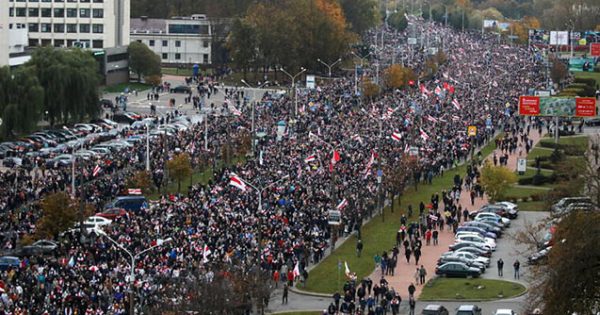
(3, 35)
(68, 23)
(179, 40)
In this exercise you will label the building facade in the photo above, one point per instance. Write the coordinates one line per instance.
(72, 23)
(3, 34)
(179, 40)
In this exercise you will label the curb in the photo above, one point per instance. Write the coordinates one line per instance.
(296, 311)
(482, 300)
(309, 293)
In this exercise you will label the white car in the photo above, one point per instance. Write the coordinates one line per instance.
(469, 256)
(97, 221)
(504, 221)
(505, 311)
(475, 238)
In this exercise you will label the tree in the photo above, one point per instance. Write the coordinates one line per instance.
(558, 70)
(397, 176)
(180, 168)
(59, 213)
(398, 21)
(70, 82)
(360, 14)
(496, 179)
(21, 101)
(142, 60)
(242, 43)
(141, 180)
(397, 76)
(370, 89)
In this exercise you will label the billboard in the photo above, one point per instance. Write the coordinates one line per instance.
(557, 106)
(581, 64)
(559, 38)
(595, 49)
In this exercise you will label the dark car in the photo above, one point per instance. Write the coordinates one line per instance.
(181, 89)
(112, 213)
(7, 262)
(130, 203)
(499, 210)
(457, 246)
(474, 250)
(106, 103)
(540, 257)
(486, 226)
(468, 310)
(457, 269)
(434, 309)
(471, 263)
(123, 118)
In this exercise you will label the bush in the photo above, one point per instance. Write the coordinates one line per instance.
(557, 155)
(587, 81)
(537, 180)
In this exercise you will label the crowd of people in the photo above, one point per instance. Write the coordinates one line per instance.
(217, 225)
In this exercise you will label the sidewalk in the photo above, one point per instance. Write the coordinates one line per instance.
(405, 272)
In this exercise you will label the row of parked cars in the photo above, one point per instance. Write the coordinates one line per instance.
(436, 309)
(475, 241)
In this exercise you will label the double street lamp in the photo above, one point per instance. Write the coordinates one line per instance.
(329, 66)
(362, 59)
(253, 100)
(133, 257)
(293, 78)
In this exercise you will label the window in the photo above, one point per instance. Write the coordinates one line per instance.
(165, 55)
(151, 42)
(11, 11)
(71, 12)
(59, 28)
(165, 43)
(98, 13)
(59, 12)
(46, 12)
(33, 42)
(34, 27)
(84, 1)
(188, 29)
(97, 28)
(70, 1)
(97, 43)
(33, 12)
(84, 13)
(46, 0)
(71, 28)
(21, 12)
(205, 43)
(177, 56)
(59, 42)
(98, 1)
(205, 58)
(46, 27)
(34, 1)
(58, 1)
(177, 43)
(84, 28)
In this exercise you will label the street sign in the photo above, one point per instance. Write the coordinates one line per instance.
(334, 217)
(595, 49)
(472, 131)
(557, 106)
(310, 81)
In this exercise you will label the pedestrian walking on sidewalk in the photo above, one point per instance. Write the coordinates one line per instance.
(500, 266)
(284, 297)
(517, 265)
(359, 248)
(412, 304)
(411, 290)
(422, 274)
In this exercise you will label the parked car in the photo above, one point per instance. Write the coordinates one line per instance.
(476, 239)
(499, 219)
(181, 89)
(7, 262)
(539, 257)
(463, 244)
(59, 161)
(124, 118)
(129, 203)
(492, 221)
(112, 213)
(39, 247)
(434, 309)
(469, 256)
(478, 230)
(457, 269)
(486, 226)
(468, 310)
(474, 250)
(97, 221)
(452, 258)
(512, 209)
(561, 206)
(504, 311)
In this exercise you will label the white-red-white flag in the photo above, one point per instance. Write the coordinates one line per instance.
(236, 111)
(456, 104)
(423, 134)
(432, 119)
(437, 90)
(342, 204)
(96, 170)
(296, 271)
(424, 91)
(310, 159)
(205, 253)
(236, 181)
(396, 136)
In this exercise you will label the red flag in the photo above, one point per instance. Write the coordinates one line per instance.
(334, 159)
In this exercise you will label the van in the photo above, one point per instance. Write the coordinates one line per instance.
(561, 205)
(129, 203)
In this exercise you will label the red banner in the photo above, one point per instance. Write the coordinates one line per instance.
(595, 49)
(585, 107)
(529, 105)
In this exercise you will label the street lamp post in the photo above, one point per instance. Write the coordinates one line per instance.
(253, 110)
(131, 264)
(329, 66)
(260, 190)
(147, 147)
(356, 70)
(293, 77)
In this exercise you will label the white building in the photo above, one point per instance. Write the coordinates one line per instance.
(179, 40)
(68, 23)
(3, 35)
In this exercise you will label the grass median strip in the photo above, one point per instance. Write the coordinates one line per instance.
(378, 235)
(469, 289)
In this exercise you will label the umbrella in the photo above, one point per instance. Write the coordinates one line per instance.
(93, 268)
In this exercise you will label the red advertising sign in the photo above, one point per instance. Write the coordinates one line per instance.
(529, 105)
(595, 49)
(585, 107)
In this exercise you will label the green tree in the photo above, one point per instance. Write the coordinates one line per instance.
(496, 179)
(21, 101)
(360, 14)
(180, 168)
(242, 44)
(142, 60)
(59, 213)
(398, 21)
(70, 81)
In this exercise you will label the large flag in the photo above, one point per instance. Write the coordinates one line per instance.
(423, 134)
(431, 118)
(396, 136)
(456, 104)
(310, 159)
(424, 91)
(296, 271)
(342, 204)
(205, 253)
(346, 269)
(96, 170)
(236, 181)
(236, 111)
(369, 164)
(335, 157)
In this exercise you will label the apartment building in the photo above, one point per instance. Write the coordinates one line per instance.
(179, 40)
(72, 23)
(3, 36)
